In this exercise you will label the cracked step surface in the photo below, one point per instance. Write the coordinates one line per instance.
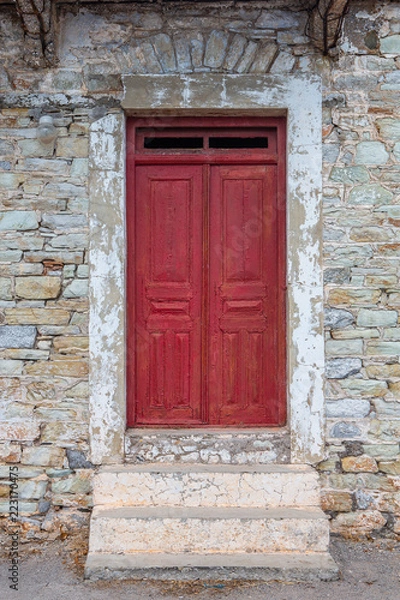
(208, 530)
(264, 486)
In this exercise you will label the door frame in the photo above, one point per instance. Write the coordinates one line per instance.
(299, 98)
(274, 155)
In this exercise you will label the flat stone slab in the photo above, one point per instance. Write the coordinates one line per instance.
(17, 336)
(289, 567)
(207, 530)
(263, 486)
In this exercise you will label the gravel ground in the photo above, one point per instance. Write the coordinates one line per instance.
(370, 571)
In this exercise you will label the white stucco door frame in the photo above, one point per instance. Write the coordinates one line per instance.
(299, 98)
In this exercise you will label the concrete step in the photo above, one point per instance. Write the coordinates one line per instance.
(206, 530)
(192, 485)
(293, 567)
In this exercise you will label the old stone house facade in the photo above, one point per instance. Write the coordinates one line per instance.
(330, 71)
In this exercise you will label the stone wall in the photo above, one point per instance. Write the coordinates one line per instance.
(361, 475)
(44, 237)
(44, 318)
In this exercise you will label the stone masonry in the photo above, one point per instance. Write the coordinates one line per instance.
(44, 213)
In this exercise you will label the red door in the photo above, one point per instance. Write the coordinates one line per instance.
(242, 280)
(168, 293)
(206, 297)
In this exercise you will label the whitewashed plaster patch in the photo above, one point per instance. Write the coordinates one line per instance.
(107, 288)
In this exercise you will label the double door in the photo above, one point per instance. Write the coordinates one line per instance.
(206, 311)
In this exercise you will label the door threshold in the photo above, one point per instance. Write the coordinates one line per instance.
(206, 430)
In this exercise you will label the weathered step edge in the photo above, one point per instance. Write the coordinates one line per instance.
(227, 485)
(154, 467)
(206, 513)
(289, 567)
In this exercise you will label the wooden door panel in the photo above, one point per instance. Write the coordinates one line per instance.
(243, 294)
(206, 273)
(169, 223)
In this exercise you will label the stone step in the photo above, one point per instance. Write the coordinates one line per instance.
(293, 567)
(207, 530)
(258, 486)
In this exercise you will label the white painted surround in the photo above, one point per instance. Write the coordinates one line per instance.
(299, 98)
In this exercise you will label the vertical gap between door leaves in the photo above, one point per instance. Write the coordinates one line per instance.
(205, 294)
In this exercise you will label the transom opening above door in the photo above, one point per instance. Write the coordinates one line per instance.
(164, 138)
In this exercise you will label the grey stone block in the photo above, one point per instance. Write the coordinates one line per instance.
(363, 500)
(5, 288)
(98, 82)
(63, 221)
(6, 148)
(247, 58)
(345, 430)
(165, 52)
(337, 318)
(21, 220)
(77, 460)
(344, 347)
(331, 152)
(337, 276)
(147, 56)
(391, 44)
(349, 175)
(197, 49)
(70, 240)
(17, 336)
(334, 100)
(371, 153)
(67, 80)
(215, 49)
(265, 56)
(283, 63)
(376, 318)
(348, 407)
(9, 368)
(339, 368)
(78, 288)
(278, 19)
(182, 51)
(235, 51)
(43, 506)
(396, 150)
(370, 194)
(389, 128)
(83, 271)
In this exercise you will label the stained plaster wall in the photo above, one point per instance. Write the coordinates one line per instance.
(44, 218)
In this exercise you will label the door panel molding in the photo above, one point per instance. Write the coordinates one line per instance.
(167, 293)
(247, 323)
